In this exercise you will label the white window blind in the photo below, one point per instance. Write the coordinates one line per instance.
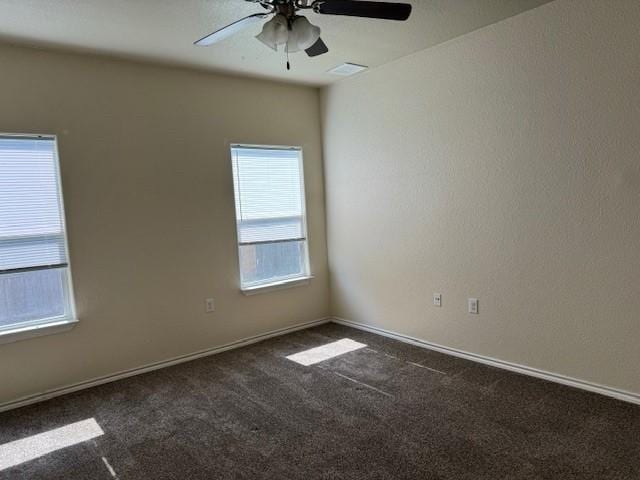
(31, 232)
(33, 255)
(270, 213)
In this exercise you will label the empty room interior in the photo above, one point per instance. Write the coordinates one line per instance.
(320, 239)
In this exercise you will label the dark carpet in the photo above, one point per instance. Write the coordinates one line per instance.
(388, 411)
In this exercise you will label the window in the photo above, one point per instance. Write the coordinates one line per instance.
(270, 215)
(34, 272)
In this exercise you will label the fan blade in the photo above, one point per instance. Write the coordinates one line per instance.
(357, 8)
(232, 29)
(318, 48)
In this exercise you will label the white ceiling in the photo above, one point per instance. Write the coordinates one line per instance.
(164, 30)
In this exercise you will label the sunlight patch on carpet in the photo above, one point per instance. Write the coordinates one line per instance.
(325, 352)
(29, 448)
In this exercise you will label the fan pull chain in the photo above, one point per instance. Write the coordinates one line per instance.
(288, 64)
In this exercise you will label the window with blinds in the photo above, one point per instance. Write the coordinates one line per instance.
(270, 214)
(34, 271)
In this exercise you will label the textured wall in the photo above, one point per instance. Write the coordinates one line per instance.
(502, 165)
(149, 203)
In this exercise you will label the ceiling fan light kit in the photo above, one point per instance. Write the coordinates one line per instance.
(297, 34)
(274, 32)
(303, 34)
(295, 31)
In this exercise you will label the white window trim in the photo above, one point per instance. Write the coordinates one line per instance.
(46, 326)
(26, 331)
(280, 284)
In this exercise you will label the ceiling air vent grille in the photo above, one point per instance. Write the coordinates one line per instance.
(347, 69)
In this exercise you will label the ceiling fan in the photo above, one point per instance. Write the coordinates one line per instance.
(294, 31)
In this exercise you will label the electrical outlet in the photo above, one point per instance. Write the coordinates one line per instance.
(437, 299)
(473, 306)
(209, 305)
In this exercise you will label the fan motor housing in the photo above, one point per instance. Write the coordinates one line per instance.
(285, 7)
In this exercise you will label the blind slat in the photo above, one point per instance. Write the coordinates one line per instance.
(276, 229)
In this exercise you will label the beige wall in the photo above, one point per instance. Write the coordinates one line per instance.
(503, 165)
(149, 206)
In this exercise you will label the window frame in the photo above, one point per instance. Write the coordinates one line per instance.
(61, 323)
(278, 283)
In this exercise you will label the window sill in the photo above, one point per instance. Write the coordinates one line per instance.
(269, 287)
(31, 331)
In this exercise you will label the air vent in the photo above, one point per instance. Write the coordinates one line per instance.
(347, 69)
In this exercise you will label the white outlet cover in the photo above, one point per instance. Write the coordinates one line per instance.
(473, 306)
(437, 299)
(209, 305)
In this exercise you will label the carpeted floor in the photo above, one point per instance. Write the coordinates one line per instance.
(387, 411)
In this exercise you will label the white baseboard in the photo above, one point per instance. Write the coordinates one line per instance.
(40, 397)
(494, 362)
(553, 377)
